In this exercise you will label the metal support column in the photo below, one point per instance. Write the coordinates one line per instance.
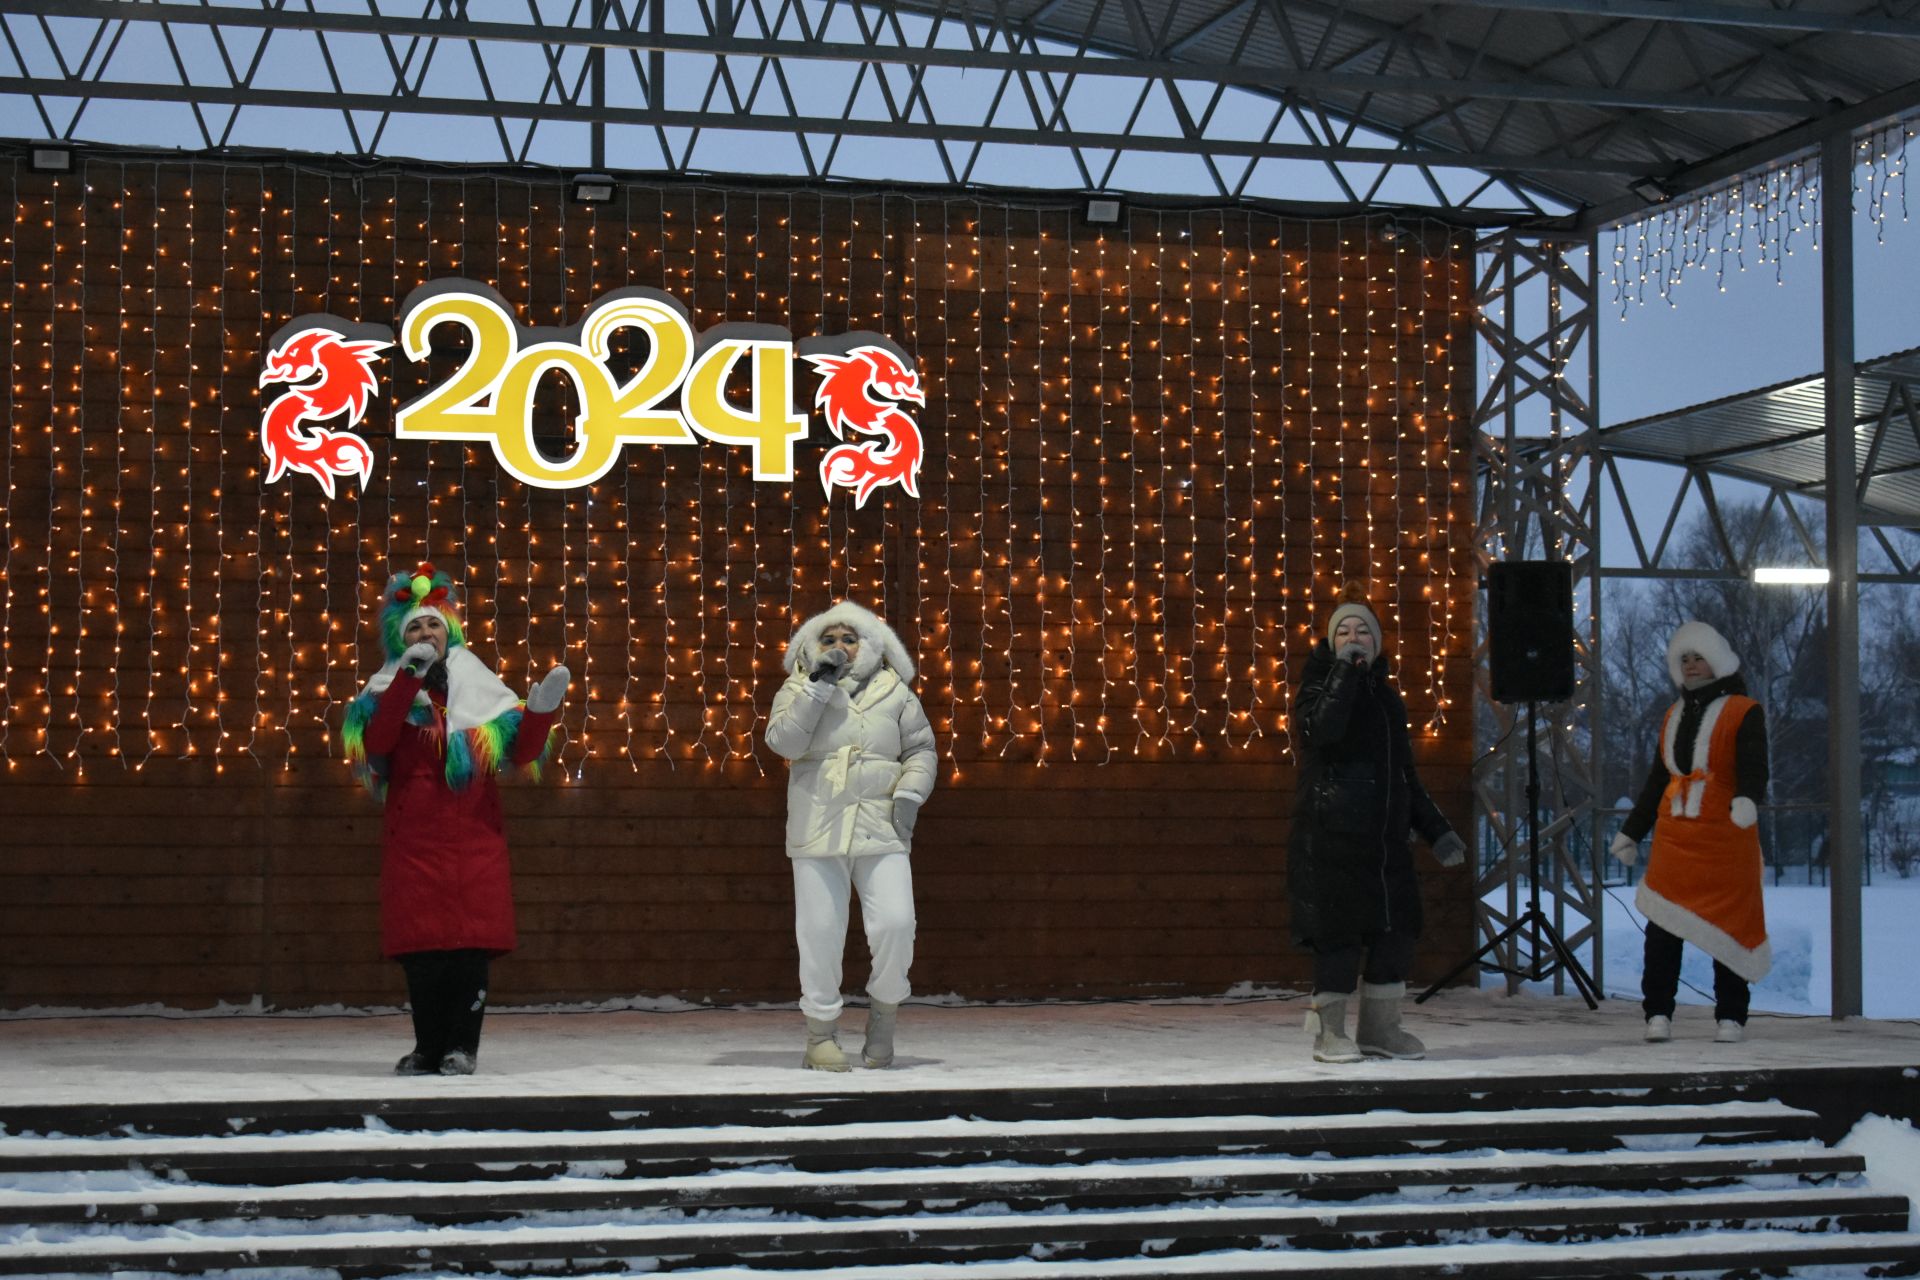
(1843, 587)
(1534, 431)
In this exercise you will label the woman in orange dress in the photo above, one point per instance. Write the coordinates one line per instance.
(1701, 801)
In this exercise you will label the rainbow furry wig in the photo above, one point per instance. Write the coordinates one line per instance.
(406, 594)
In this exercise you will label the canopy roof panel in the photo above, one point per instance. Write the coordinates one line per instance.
(1493, 110)
(1775, 436)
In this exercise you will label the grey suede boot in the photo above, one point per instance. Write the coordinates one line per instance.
(1380, 1035)
(823, 1049)
(1327, 1024)
(878, 1050)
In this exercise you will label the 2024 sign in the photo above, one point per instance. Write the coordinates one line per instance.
(326, 365)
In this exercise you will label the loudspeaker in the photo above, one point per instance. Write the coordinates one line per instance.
(1530, 630)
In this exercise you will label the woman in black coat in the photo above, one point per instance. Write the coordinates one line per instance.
(1356, 902)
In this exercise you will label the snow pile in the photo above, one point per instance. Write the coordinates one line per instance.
(1891, 1149)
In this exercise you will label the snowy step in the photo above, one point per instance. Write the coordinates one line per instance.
(974, 1238)
(939, 1190)
(476, 1104)
(282, 1159)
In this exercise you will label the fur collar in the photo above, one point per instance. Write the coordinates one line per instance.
(878, 644)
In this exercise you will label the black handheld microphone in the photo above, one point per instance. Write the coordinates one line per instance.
(829, 665)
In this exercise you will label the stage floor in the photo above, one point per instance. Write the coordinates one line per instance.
(1474, 1036)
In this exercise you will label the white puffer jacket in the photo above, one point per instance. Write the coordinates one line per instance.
(853, 753)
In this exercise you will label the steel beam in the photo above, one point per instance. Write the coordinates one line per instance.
(1845, 855)
(1697, 13)
(580, 112)
(1252, 76)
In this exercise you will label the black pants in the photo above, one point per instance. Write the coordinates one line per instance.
(1660, 979)
(1388, 958)
(448, 991)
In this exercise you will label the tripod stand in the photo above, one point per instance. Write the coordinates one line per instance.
(1532, 919)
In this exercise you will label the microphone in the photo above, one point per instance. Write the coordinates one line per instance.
(828, 668)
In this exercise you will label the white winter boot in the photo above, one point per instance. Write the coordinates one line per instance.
(1380, 1034)
(823, 1047)
(1327, 1024)
(881, 1019)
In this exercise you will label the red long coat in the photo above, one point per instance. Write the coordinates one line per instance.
(445, 881)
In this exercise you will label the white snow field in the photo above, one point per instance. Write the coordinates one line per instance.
(1799, 927)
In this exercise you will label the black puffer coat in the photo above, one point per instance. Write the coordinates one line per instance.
(1349, 866)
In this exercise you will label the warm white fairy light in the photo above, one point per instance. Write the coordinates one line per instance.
(14, 348)
(1101, 395)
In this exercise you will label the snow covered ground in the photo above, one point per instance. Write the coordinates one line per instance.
(1471, 1035)
(1798, 923)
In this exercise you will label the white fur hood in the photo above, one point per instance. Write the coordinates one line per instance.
(1698, 637)
(878, 644)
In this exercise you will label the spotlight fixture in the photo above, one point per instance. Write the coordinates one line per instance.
(1652, 190)
(1794, 576)
(1103, 211)
(51, 158)
(592, 188)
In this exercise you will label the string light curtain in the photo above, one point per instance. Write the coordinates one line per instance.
(1154, 452)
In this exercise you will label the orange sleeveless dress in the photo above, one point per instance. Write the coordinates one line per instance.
(1704, 874)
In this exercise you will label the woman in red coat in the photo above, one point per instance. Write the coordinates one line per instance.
(427, 736)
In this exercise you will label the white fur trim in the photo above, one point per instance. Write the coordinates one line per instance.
(1750, 963)
(474, 694)
(1698, 637)
(1689, 804)
(878, 643)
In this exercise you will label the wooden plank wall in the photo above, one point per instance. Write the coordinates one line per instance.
(1154, 452)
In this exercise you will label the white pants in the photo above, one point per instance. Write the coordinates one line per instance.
(821, 894)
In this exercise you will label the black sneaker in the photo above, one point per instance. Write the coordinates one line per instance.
(458, 1062)
(414, 1064)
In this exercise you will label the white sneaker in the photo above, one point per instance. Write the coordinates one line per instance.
(1729, 1032)
(1659, 1029)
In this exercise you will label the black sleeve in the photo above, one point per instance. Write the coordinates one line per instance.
(1750, 774)
(1428, 822)
(1646, 808)
(1323, 709)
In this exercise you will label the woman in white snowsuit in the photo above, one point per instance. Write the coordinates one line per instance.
(863, 762)
(1701, 801)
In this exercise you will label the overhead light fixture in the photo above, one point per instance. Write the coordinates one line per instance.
(1652, 190)
(51, 159)
(1802, 577)
(592, 188)
(1103, 211)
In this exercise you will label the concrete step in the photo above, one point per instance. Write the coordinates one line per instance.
(896, 1191)
(518, 1155)
(1589, 1236)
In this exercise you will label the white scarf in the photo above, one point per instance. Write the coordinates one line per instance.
(475, 695)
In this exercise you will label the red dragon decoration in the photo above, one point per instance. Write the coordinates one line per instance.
(850, 389)
(346, 384)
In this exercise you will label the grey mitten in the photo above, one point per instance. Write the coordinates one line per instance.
(546, 695)
(1355, 653)
(419, 656)
(1625, 849)
(1450, 849)
(906, 812)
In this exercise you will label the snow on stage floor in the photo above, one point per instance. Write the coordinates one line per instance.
(1471, 1035)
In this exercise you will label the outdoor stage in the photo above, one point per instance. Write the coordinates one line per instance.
(1472, 1036)
(1034, 1141)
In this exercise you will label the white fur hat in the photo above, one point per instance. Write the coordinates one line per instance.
(1698, 637)
(878, 643)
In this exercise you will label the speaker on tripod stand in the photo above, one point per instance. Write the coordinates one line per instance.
(1530, 660)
